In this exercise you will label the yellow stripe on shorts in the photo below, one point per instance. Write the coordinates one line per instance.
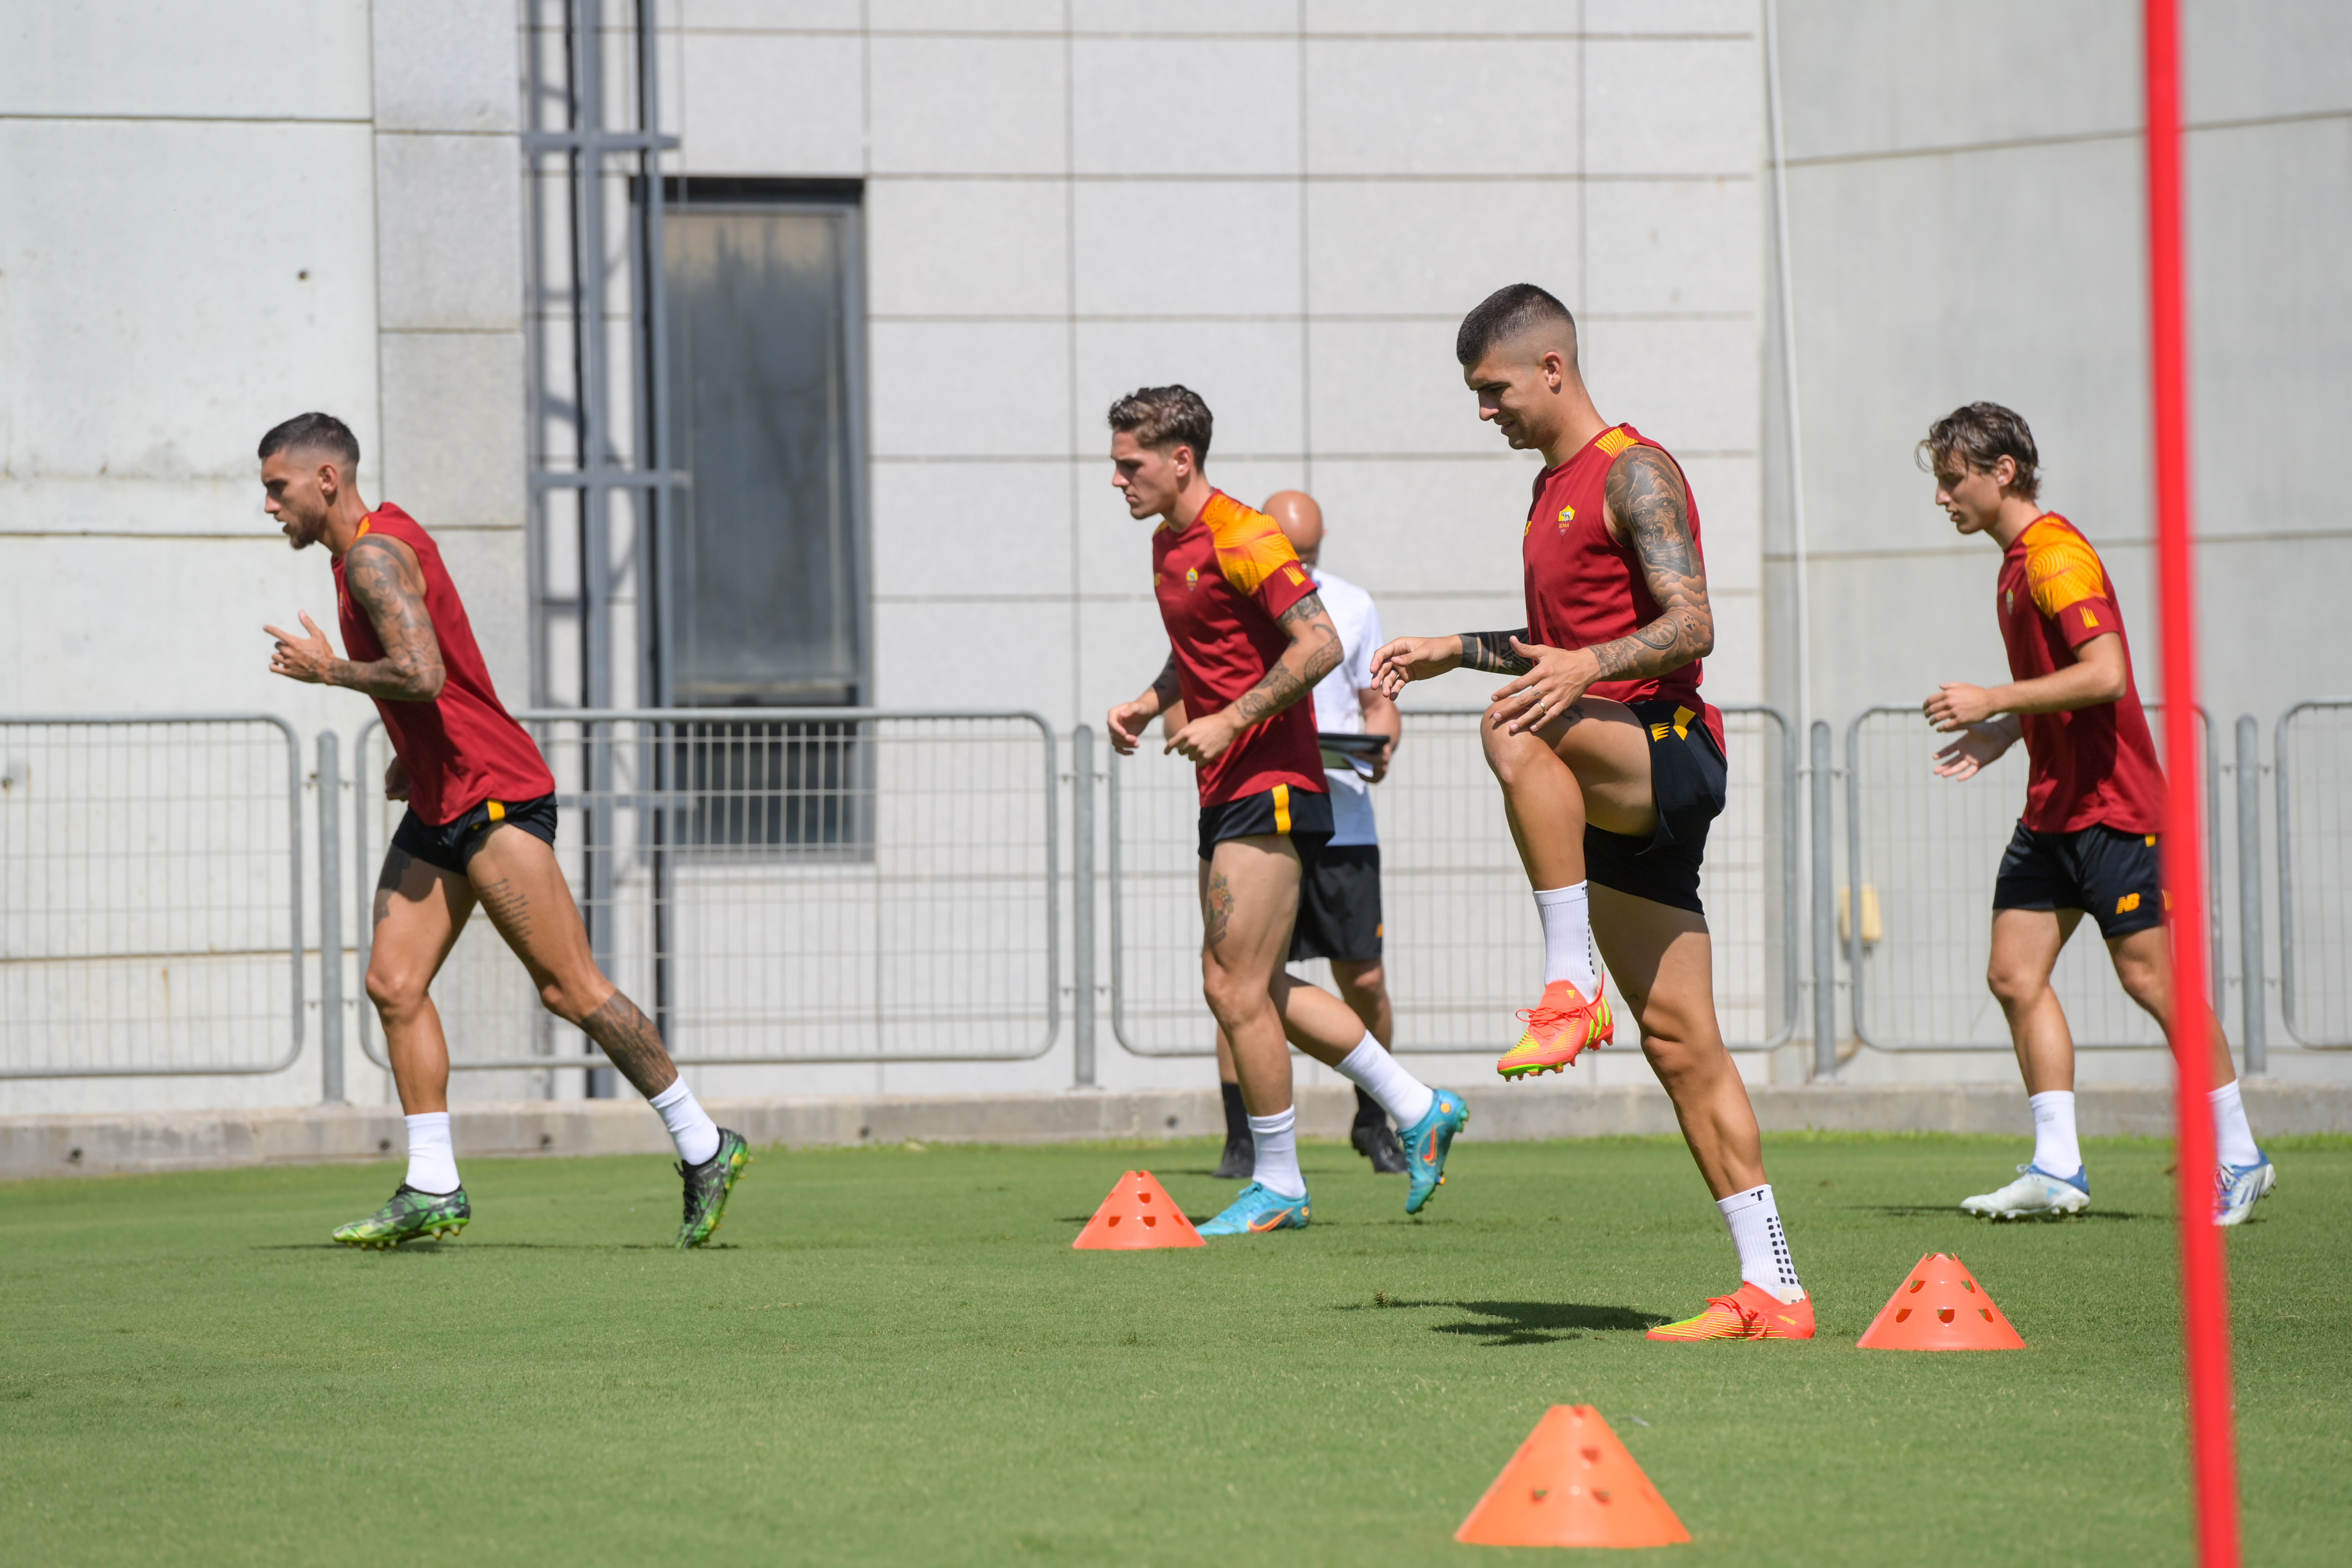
(1282, 808)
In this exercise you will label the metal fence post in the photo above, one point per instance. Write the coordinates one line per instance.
(2250, 893)
(1082, 905)
(330, 919)
(1824, 909)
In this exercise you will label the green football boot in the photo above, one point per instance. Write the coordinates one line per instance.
(411, 1215)
(707, 1187)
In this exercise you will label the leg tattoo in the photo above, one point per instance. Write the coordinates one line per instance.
(628, 1037)
(1220, 908)
(509, 908)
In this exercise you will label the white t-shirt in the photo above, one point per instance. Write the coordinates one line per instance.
(1339, 710)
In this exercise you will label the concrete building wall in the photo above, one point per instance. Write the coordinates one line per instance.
(1967, 221)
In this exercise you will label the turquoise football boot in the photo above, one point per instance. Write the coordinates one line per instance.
(1259, 1210)
(1427, 1142)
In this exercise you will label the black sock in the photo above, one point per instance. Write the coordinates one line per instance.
(1368, 1113)
(1236, 1114)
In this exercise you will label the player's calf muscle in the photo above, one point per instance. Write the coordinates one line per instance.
(628, 1037)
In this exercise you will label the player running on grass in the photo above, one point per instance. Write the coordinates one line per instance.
(2094, 805)
(1249, 638)
(479, 829)
(1339, 891)
(1611, 767)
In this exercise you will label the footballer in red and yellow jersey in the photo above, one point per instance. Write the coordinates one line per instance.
(1222, 584)
(2089, 766)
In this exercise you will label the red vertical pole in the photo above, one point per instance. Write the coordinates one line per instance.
(2204, 1288)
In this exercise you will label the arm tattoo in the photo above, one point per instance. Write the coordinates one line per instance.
(1491, 651)
(1164, 685)
(628, 1038)
(411, 668)
(1313, 653)
(1647, 498)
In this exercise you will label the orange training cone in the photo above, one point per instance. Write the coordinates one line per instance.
(1940, 1307)
(1572, 1484)
(1138, 1212)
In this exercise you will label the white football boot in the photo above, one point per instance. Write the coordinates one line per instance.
(2034, 1193)
(2238, 1188)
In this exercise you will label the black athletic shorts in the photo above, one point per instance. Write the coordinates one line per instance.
(1304, 816)
(452, 843)
(1340, 905)
(1689, 779)
(2113, 876)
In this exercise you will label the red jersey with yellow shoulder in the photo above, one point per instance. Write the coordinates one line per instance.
(1222, 584)
(462, 747)
(2094, 765)
(1585, 588)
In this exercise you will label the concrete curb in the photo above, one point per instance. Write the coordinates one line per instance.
(301, 1135)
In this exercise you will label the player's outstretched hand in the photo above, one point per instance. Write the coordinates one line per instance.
(1551, 689)
(1957, 705)
(1976, 750)
(1203, 741)
(395, 779)
(1408, 659)
(1126, 724)
(301, 658)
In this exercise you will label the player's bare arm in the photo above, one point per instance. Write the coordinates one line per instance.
(1126, 722)
(1314, 653)
(382, 578)
(1382, 719)
(2100, 674)
(1647, 508)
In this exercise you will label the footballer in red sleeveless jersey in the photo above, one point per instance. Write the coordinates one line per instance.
(1611, 767)
(2087, 840)
(479, 829)
(1248, 639)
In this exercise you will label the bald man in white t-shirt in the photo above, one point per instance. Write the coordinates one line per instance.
(1339, 896)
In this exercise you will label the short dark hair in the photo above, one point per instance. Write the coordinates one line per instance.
(1981, 435)
(1165, 416)
(1506, 313)
(322, 431)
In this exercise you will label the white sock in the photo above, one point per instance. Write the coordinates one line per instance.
(690, 1127)
(432, 1158)
(2056, 1149)
(1277, 1138)
(1764, 1261)
(2233, 1140)
(1567, 916)
(1370, 1068)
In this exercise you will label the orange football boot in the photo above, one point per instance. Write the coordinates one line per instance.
(1751, 1312)
(1559, 1026)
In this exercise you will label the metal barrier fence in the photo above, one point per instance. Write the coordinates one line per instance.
(1463, 946)
(150, 895)
(2314, 749)
(1915, 916)
(781, 885)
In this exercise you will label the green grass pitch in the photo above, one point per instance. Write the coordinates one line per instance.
(895, 1356)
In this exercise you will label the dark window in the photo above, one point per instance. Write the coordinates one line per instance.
(766, 384)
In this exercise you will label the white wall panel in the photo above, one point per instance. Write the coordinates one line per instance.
(978, 389)
(280, 60)
(967, 105)
(965, 15)
(1156, 17)
(1427, 107)
(945, 528)
(1446, 527)
(445, 65)
(1437, 247)
(449, 253)
(975, 654)
(755, 103)
(1672, 107)
(453, 428)
(1393, 386)
(157, 333)
(1672, 245)
(1682, 382)
(1248, 373)
(967, 248)
(1152, 248)
(1168, 106)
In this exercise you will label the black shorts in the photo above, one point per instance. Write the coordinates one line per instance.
(452, 843)
(1304, 816)
(1689, 779)
(1340, 905)
(2113, 876)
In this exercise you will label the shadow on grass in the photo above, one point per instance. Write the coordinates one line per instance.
(433, 1246)
(1523, 1322)
(1946, 1211)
